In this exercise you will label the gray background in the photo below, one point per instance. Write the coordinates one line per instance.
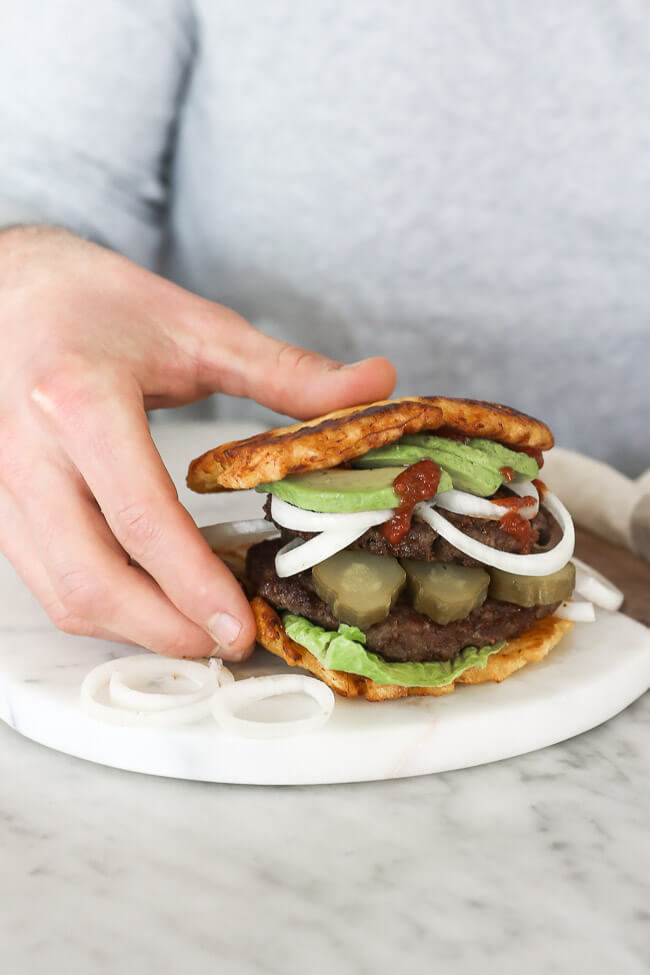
(463, 187)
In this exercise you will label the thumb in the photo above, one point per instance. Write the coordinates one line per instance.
(292, 380)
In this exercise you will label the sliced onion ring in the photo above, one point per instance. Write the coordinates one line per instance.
(302, 520)
(580, 611)
(224, 676)
(296, 555)
(536, 564)
(228, 701)
(145, 668)
(149, 713)
(595, 587)
(523, 489)
(464, 503)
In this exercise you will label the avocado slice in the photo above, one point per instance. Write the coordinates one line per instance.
(392, 454)
(341, 489)
(360, 588)
(400, 454)
(502, 456)
(337, 489)
(470, 470)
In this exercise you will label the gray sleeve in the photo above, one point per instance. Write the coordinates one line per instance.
(89, 98)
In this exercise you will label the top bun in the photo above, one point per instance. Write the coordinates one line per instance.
(329, 440)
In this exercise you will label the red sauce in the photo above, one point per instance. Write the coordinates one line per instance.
(508, 473)
(520, 528)
(514, 503)
(533, 452)
(419, 482)
(541, 488)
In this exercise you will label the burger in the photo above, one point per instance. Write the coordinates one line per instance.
(416, 546)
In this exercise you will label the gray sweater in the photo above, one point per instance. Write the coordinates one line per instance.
(463, 187)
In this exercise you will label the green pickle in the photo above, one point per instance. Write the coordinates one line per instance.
(533, 590)
(445, 592)
(359, 588)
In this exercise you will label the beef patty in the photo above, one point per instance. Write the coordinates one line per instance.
(405, 634)
(422, 542)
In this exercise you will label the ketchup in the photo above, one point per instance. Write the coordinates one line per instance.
(533, 452)
(419, 482)
(541, 488)
(520, 528)
(514, 503)
(508, 473)
(514, 524)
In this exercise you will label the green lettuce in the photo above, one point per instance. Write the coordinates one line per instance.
(344, 650)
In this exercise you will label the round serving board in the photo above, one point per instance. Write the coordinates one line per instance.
(593, 674)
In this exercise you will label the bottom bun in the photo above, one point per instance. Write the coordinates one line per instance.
(534, 644)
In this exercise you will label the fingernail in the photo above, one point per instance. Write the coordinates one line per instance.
(230, 656)
(353, 365)
(224, 629)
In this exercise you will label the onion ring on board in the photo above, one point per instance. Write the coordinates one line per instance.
(243, 692)
(130, 707)
(595, 587)
(580, 611)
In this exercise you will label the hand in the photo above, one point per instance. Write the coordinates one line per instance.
(89, 342)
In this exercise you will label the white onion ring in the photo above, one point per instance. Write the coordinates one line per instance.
(301, 520)
(464, 503)
(523, 489)
(595, 587)
(224, 676)
(579, 611)
(230, 699)
(296, 555)
(151, 713)
(537, 564)
(146, 668)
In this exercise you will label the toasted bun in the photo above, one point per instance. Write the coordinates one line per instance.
(532, 645)
(332, 439)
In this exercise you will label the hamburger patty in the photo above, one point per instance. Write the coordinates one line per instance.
(422, 542)
(405, 635)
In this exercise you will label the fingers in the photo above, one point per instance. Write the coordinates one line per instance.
(298, 382)
(104, 431)
(231, 356)
(17, 544)
(96, 589)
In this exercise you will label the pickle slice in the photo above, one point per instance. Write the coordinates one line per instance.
(445, 592)
(533, 590)
(359, 588)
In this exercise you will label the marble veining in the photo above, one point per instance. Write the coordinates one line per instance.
(535, 864)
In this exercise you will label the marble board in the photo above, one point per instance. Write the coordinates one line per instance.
(596, 671)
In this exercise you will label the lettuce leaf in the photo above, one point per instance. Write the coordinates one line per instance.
(344, 650)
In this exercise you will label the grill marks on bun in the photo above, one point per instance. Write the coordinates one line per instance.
(331, 440)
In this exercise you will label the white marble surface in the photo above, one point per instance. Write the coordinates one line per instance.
(537, 864)
(596, 671)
